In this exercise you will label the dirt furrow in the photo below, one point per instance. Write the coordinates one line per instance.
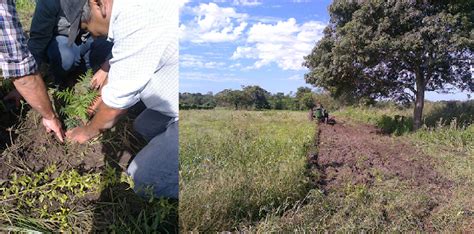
(359, 153)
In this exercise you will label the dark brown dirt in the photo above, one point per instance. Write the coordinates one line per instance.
(34, 149)
(357, 152)
(8, 118)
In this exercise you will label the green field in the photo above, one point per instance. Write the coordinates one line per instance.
(239, 167)
(247, 171)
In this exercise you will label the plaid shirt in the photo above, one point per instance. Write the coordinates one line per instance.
(15, 58)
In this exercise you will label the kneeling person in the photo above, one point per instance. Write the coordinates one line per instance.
(144, 66)
(56, 39)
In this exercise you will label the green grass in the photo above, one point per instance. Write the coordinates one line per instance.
(390, 204)
(25, 9)
(435, 114)
(238, 167)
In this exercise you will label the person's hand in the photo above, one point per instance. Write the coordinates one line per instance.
(94, 106)
(13, 96)
(99, 79)
(54, 125)
(81, 134)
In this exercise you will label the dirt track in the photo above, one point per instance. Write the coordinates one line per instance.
(356, 151)
(359, 154)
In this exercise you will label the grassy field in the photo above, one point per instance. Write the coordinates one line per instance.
(238, 168)
(247, 171)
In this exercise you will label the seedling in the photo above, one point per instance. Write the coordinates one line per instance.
(77, 101)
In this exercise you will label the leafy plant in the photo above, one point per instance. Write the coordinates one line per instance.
(77, 101)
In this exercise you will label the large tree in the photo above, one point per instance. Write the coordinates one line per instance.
(301, 96)
(256, 96)
(229, 97)
(395, 49)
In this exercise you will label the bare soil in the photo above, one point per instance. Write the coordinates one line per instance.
(354, 152)
(360, 154)
(34, 149)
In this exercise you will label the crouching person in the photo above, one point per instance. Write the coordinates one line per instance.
(18, 64)
(57, 39)
(144, 66)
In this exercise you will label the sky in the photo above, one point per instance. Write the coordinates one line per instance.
(225, 44)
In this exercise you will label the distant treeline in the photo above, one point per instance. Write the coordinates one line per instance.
(252, 98)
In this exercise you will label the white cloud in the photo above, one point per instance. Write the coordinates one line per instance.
(247, 2)
(212, 23)
(213, 77)
(196, 61)
(182, 3)
(244, 52)
(284, 43)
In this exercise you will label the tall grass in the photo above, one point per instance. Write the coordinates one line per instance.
(398, 120)
(238, 167)
(25, 5)
(25, 9)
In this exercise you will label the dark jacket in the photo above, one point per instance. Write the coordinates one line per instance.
(49, 20)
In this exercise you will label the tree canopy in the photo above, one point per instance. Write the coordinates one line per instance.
(394, 49)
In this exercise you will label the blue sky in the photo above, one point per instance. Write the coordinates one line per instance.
(230, 43)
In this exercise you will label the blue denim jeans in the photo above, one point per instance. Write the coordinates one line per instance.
(157, 163)
(66, 60)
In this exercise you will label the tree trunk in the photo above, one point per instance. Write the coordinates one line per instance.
(419, 102)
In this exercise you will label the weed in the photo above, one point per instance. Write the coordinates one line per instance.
(46, 195)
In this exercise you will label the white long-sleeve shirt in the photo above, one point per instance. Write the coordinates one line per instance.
(144, 62)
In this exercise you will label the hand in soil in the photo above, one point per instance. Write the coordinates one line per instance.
(81, 134)
(14, 96)
(54, 125)
(99, 79)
